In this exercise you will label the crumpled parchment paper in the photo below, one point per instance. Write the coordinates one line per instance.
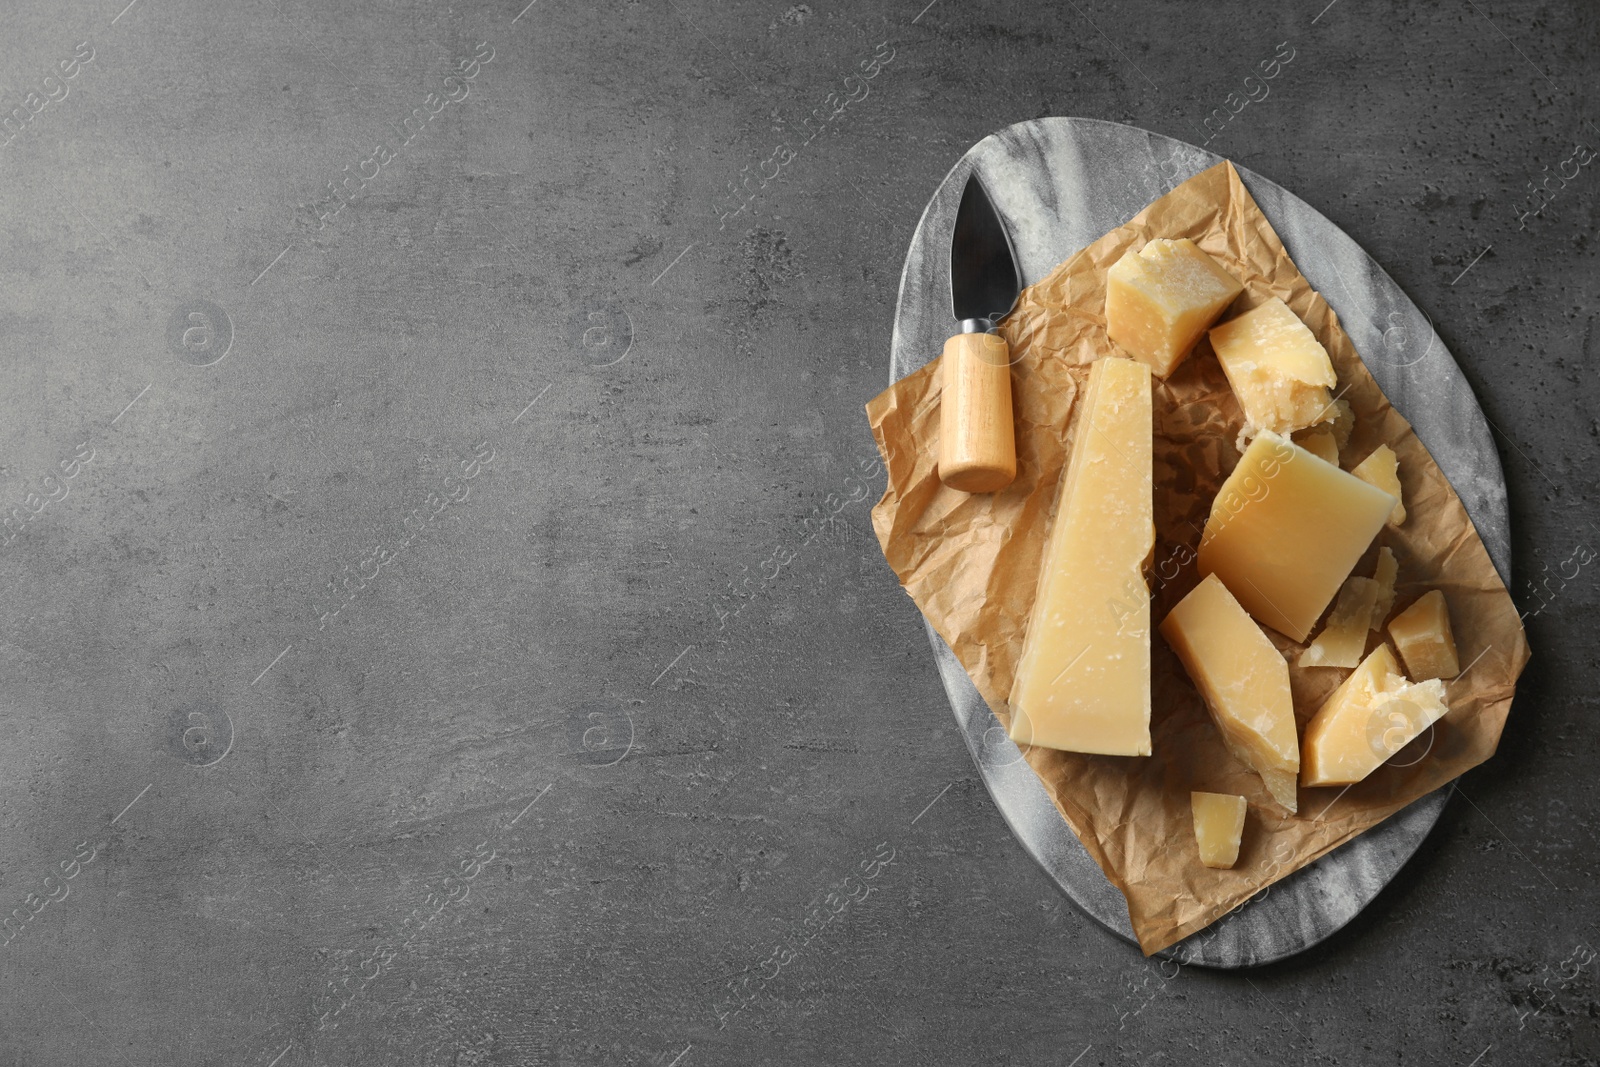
(971, 562)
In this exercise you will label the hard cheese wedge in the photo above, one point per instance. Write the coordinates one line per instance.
(1344, 636)
(1244, 681)
(1218, 827)
(1372, 715)
(1083, 681)
(1422, 634)
(1285, 530)
(1278, 369)
(1382, 469)
(1160, 299)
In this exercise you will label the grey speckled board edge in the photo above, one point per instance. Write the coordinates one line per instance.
(1059, 184)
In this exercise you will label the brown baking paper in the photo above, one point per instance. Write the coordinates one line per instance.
(971, 564)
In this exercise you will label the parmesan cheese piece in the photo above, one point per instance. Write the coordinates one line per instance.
(1285, 530)
(1320, 442)
(1218, 827)
(1160, 299)
(1344, 636)
(1422, 634)
(1382, 469)
(1244, 681)
(1343, 424)
(1278, 369)
(1372, 715)
(1083, 681)
(1385, 574)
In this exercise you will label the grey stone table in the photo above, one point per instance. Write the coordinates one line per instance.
(443, 626)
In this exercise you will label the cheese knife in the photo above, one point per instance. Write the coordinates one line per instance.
(977, 442)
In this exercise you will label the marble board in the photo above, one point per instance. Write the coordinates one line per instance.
(1058, 184)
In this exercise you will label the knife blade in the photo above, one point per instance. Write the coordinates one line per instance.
(977, 438)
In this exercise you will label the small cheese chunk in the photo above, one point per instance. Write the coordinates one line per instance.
(1278, 369)
(1344, 637)
(1286, 529)
(1385, 574)
(1083, 681)
(1382, 469)
(1320, 442)
(1218, 827)
(1244, 681)
(1422, 634)
(1343, 424)
(1160, 299)
(1372, 715)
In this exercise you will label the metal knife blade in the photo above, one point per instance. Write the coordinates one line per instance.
(983, 265)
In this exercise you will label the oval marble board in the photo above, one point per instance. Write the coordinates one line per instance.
(1059, 184)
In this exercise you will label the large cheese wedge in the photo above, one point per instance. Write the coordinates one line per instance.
(1344, 636)
(1423, 636)
(1244, 681)
(1285, 530)
(1218, 827)
(1278, 369)
(1372, 715)
(1083, 682)
(1160, 299)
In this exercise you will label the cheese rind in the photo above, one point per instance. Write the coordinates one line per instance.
(1372, 715)
(1218, 827)
(1162, 298)
(1423, 636)
(1384, 573)
(1382, 469)
(1285, 530)
(1083, 680)
(1244, 681)
(1278, 369)
(1344, 636)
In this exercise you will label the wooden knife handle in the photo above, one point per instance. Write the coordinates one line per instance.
(977, 443)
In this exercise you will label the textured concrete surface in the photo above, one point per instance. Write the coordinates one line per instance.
(623, 746)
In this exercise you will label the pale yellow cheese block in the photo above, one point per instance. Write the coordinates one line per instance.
(1423, 636)
(1218, 827)
(1278, 369)
(1244, 681)
(1382, 469)
(1384, 574)
(1320, 442)
(1083, 681)
(1160, 299)
(1285, 530)
(1344, 636)
(1372, 715)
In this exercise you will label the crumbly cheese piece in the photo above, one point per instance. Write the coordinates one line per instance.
(1285, 530)
(1218, 827)
(1384, 574)
(1083, 682)
(1343, 424)
(1278, 369)
(1422, 634)
(1244, 681)
(1160, 299)
(1344, 636)
(1382, 469)
(1372, 715)
(1320, 442)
